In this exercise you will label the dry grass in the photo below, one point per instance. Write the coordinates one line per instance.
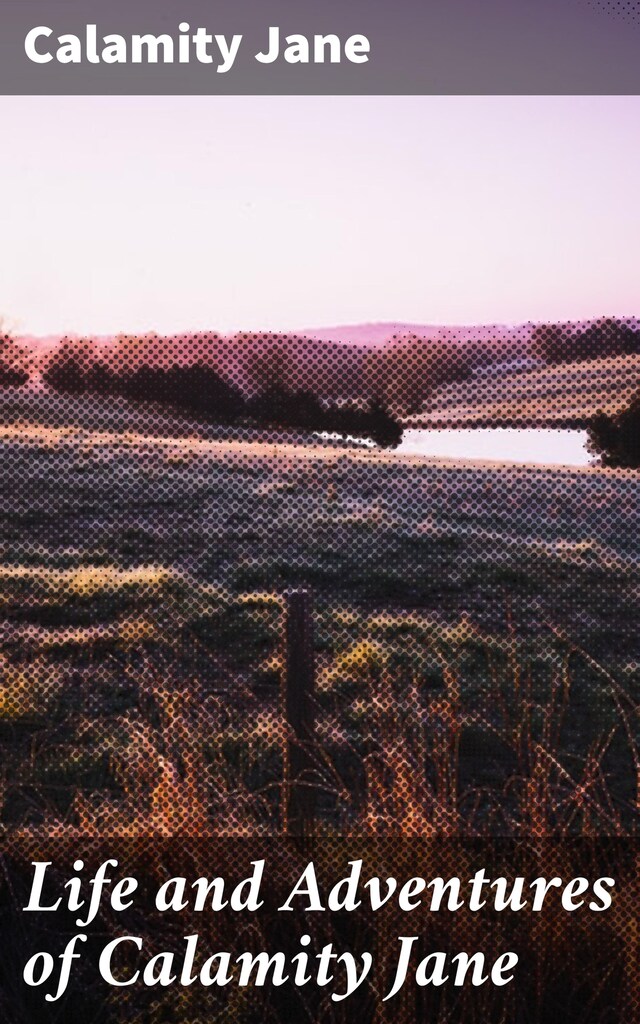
(183, 766)
(549, 396)
(410, 739)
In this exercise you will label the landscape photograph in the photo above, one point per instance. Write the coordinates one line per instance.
(320, 438)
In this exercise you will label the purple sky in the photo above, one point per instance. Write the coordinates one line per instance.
(283, 212)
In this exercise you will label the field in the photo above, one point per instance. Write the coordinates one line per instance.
(466, 616)
(476, 676)
(552, 396)
(363, 525)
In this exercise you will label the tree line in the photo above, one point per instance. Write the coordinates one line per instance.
(602, 339)
(200, 392)
(14, 360)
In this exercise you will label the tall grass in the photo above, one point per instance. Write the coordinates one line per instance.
(393, 753)
(406, 748)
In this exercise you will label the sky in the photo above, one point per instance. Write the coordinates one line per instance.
(277, 213)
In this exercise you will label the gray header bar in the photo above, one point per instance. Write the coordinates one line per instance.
(415, 47)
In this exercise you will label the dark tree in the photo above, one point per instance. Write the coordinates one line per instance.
(101, 380)
(278, 406)
(385, 429)
(616, 439)
(12, 376)
(602, 339)
(201, 391)
(196, 390)
(65, 373)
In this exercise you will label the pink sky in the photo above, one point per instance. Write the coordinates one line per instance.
(282, 212)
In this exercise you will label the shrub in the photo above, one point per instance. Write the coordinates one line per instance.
(616, 439)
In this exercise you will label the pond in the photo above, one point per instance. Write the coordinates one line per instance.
(537, 447)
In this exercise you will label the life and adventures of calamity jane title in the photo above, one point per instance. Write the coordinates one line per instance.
(342, 971)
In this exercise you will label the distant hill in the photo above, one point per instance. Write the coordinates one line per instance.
(376, 334)
(372, 335)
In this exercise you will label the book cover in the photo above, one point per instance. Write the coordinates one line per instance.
(319, 432)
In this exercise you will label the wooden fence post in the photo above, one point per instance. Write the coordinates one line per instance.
(298, 799)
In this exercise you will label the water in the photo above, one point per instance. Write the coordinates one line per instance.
(537, 447)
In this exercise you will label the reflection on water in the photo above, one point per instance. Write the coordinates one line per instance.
(551, 447)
